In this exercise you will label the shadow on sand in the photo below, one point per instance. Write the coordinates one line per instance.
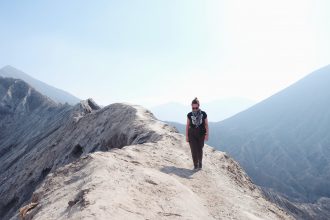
(179, 171)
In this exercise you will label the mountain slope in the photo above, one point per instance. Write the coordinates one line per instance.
(283, 142)
(57, 95)
(119, 162)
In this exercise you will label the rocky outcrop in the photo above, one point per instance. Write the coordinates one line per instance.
(38, 135)
(116, 162)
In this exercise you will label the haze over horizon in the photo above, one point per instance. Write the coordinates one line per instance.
(152, 53)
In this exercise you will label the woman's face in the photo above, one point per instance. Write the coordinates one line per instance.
(194, 107)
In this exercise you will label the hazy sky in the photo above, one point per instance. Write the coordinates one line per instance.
(152, 52)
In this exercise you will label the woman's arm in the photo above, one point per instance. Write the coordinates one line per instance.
(187, 128)
(207, 129)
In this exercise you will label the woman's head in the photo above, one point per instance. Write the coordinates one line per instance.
(195, 104)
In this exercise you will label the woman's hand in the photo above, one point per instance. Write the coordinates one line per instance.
(206, 137)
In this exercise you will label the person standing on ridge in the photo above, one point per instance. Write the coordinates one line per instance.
(197, 130)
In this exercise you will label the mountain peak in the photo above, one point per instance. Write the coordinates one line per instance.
(55, 94)
(10, 71)
(9, 67)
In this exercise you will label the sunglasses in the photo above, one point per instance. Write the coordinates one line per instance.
(194, 108)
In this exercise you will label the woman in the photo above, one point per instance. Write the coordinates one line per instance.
(197, 130)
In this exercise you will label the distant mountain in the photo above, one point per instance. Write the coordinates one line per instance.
(284, 141)
(59, 161)
(217, 110)
(57, 95)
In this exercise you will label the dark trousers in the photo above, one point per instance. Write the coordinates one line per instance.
(196, 142)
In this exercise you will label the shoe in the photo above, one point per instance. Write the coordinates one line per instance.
(196, 167)
(200, 164)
